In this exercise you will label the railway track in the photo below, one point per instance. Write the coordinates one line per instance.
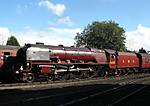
(134, 89)
(139, 97)
(85, 94)
(66, 83)
(110, 97)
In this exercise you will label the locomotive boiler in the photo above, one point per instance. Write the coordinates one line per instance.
(35, 60)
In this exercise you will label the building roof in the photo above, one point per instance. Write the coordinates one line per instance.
(9, 47)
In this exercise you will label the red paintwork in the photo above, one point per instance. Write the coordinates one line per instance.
(83, 54)
(75, 55)
(145, 61)
(12, 53)
(130, 60)
(125, 60)
(100, 57)
(71, 53)
(45, 69)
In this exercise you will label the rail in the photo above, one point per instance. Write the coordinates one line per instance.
(66, 83)
(124, 88)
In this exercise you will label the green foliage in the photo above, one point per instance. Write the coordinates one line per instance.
(105, 34)
(12, 41)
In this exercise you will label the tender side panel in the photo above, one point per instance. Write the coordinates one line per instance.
(122, 59)
(127, 60)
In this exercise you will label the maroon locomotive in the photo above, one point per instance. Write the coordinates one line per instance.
(58, 62)
(35, 61)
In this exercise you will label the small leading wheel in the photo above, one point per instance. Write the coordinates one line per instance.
(30, 77)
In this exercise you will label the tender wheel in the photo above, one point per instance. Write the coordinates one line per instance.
(30, 77)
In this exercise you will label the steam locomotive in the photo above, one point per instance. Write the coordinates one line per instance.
(35, 61)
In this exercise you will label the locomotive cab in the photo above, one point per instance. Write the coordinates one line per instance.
(111, 58)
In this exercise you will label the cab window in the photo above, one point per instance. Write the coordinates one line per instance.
(112, 58)
(7, 53)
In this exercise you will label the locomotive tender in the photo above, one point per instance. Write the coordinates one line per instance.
(35, 61)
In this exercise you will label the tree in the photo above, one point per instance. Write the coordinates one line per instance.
(105, 34)
(12, 41)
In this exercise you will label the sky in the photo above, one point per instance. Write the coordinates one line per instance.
(55, 22)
